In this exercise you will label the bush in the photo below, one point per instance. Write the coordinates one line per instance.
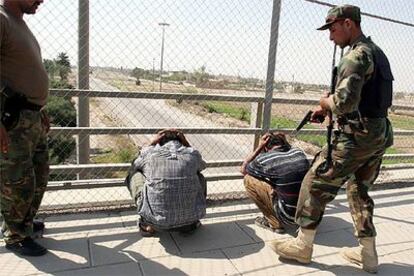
(61, 110)
(61, 147)
(62, 113)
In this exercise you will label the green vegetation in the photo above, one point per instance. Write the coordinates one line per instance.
(121, 85)
(124, 155)
(317, 140)
(393, 150)
(240, 113)
(140, 73)
(402, 122)
(61, 110)
(60, 66)
(243, 114)
(281, 122)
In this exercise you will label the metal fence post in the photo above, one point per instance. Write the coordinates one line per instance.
(256, 112)
(83, 80)
(271, 64)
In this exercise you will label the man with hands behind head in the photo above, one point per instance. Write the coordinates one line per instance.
(166, 183)
(273, 174)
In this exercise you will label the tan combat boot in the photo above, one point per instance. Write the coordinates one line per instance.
(364, 255)
(299, 249)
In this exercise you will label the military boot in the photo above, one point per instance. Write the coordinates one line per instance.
(364, 255)
(27, 247)
(299, 249)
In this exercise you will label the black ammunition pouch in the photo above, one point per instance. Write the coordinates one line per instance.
(11, 105)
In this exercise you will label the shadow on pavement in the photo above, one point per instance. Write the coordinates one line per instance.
(383, 269)
(78, 254)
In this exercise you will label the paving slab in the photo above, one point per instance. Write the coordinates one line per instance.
(259, 234)
(328, 246)
(394, 237)
(212, 236)
(63, 255)
(203, 263)
(132, 247)
(124, 269)
(398, 264)
(257, 259)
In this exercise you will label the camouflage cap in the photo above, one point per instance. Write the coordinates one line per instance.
(340, 13)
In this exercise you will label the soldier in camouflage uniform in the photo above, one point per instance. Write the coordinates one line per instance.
(363, 94)
(24, 167)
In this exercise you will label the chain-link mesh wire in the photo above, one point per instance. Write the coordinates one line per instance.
(196, 49)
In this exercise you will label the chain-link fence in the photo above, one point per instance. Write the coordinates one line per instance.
(134, 67)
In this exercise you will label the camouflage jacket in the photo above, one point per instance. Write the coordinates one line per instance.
(354, 70)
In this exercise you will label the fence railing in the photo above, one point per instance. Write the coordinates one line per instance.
(256, 108)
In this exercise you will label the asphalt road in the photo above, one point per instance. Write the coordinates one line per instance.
(156, 113)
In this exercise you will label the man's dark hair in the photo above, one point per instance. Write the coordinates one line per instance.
(278, 139)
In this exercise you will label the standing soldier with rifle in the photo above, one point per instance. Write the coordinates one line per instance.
(361, 98)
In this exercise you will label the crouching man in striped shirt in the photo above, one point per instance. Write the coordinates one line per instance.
(166, 183)
(273, 174)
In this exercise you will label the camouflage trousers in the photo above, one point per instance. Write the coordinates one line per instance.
(24, 172)
(356, 161)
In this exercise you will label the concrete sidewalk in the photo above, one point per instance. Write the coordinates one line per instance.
(228, 243)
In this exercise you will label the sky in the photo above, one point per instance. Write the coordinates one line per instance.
(227, 36)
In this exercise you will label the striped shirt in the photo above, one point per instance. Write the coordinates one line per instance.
(284, 171)
(174, 192)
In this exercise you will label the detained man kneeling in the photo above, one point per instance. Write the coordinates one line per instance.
(273, 174)
(166, 183)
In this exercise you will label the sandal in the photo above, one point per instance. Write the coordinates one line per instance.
(264, 223)
(146, 230)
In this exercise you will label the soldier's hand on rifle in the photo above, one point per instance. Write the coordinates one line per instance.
(318, 115)
(4, 139)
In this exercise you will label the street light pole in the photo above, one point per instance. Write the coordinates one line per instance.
(163, 25)
(153, 74)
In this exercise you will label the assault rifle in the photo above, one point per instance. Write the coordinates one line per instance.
(328, 163)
